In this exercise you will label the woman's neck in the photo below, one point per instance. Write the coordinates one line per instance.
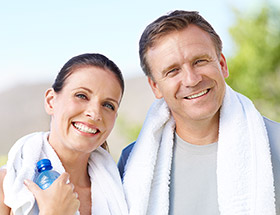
(74, 163)
(78, 170)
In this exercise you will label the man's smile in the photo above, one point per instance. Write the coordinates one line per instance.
(194, 96)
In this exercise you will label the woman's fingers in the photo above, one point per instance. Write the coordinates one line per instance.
(34, 188)
(59, 198)
(64, 178)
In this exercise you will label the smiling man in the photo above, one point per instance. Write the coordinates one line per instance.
(204, 148)
(189, 75)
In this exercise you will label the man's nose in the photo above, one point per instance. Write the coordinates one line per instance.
(190, 77)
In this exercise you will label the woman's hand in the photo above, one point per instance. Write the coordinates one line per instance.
(59, 198)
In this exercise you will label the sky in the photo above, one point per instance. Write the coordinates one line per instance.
(38, 37)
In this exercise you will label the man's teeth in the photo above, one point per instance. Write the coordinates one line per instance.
(84, 128)
(197, 95)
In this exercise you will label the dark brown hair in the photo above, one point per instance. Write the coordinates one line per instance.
(84, 60)
(164, 25)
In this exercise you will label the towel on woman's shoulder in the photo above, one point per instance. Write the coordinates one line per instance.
(244, 169)
(107, 191)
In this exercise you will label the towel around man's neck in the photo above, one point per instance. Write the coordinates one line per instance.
(244, 169)
(106, 189)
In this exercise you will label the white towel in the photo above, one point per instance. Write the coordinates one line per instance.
(244, 169)
(107, 192)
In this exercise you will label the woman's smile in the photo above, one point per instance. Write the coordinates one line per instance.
(82, 127)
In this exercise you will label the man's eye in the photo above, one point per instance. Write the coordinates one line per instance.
(110, 106)
(200, 61)
(81, 96)
(172, 71)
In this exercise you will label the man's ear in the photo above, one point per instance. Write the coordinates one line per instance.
(155, 88)
(223, 64)
(49, 100)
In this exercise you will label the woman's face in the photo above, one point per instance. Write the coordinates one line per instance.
(84, 111)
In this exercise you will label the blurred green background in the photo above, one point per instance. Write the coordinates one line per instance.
(3, 160)
(255, 64)
(254, 68)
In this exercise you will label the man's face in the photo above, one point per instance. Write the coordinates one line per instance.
(188, 74)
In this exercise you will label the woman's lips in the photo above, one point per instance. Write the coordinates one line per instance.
(84, 128)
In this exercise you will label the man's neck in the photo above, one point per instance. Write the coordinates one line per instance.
(200, 132)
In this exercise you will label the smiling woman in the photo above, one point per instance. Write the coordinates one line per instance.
(83, 104)
(84, 110)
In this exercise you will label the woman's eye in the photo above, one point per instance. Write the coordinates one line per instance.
(81, 96)
(110, 106)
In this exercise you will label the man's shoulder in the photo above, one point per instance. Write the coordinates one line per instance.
(124, 156)
(273, 129)
(273, 133)
(271, 123)
(125, 152)
(128, 148)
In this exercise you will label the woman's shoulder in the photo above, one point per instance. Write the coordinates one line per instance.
(3, 172)
(2, 176)
(4, 210)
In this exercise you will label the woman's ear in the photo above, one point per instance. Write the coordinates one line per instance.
(49, 100)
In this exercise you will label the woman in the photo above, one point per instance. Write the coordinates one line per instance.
(83, 104)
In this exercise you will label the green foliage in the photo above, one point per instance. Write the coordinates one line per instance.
(128, 129)
(255, 66)
(3, 160)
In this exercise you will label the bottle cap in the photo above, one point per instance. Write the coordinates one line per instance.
(44, 164)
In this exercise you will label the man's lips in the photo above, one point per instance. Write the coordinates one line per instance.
(197, 95)
(84, 128)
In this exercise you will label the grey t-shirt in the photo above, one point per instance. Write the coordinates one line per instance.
(193, 186)
(192, 192)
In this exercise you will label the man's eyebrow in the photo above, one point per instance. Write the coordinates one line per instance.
(201, 56)
(170, 67)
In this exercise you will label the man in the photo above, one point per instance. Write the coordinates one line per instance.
(203, 149)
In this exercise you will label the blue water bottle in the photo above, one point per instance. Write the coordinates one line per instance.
(46, 175)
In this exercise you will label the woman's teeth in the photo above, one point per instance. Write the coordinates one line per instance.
(84, 128)
(197, 95)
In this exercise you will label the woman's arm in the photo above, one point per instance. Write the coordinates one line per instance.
(58, 199)
(4, 209)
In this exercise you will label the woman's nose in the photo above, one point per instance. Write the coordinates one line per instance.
(94, 113)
